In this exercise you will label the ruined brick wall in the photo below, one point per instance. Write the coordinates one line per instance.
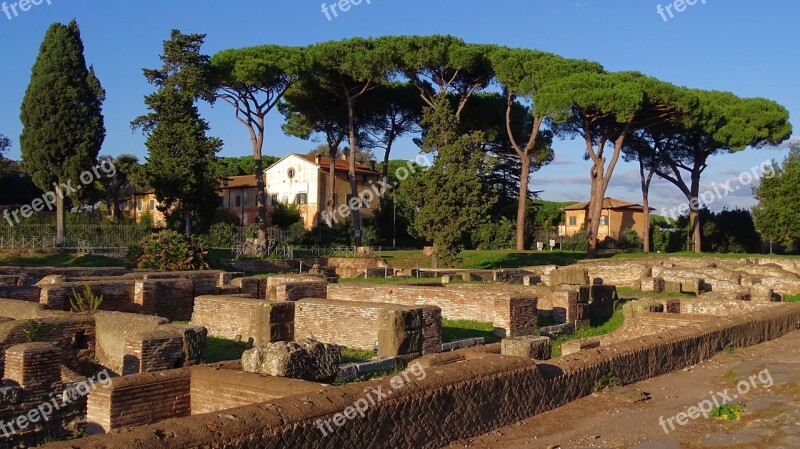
(455, 401)
(206, 282)
(256, 266)
(253, 286)
(274, 281)
(295, 291)
(74, 336)
(157, 350)
(718, 307)
(236, 317)
(113, 331)
(139, 400)
(467, 302)
(29, 293)
(216, 389)
(361, 324)
(20, 310)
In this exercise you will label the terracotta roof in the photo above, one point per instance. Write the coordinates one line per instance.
(608, 203)
(340, 164)
(239, 182)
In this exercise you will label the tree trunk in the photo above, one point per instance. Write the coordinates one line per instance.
(522, 204)
(331, 205)
(261, 200)
(188, 224)
(61, 219)
(434, 256)
(646, 180)
(385, 170)
(351, 128)
(694, 214)
(593, 215)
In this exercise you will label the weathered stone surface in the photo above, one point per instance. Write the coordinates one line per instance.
(763, 293)
(195, 340)
(673, 287)
(655, 285)
(557, 330)
(400, 331)
(462, 344)
(531, 347)
(569, 276)
(532, 279)
(306, 359)
(50, 280)
(574, 346)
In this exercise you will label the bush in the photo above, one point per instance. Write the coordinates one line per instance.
(495, 235)
(576, 243)
(666, 240)
(169, 250)
(630, 242)
(87, 302)
(220, 235)
(286, 215)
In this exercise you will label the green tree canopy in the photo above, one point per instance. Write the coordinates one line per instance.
(61, 115)
(778, 195)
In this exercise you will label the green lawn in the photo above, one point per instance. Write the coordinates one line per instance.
(222, 350)
(62, 260)
(792, 298)
(599, 326)
(351, 355)
(698, 255)
(488, 260)
(453, 330)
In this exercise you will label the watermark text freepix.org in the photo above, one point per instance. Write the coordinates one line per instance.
(718, 191)
(48, 199)
(679, 6)
(14, 9)
(343, 6)
(374, 395)
(718, 399)
(46, 409)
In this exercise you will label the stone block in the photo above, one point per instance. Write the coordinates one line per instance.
(673, 287)
(761, 293)
(569, 276)
(557, 330)
(462, 344)
(571, 347)
(306, 359)
(195, 339)
(531, 347)
(693, 285)
(399, 331)
(655, 285)
(531, 280)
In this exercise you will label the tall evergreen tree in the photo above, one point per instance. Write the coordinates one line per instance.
(450, 198)
(62, 119)
(5, 145)
(778, 194)
(181, 165)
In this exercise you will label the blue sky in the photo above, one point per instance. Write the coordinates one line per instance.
(735, 45)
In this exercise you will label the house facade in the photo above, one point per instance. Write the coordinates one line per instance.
(303, 180)
(616, 217)
(296, 179)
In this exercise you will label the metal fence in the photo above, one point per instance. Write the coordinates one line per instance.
(105, 235)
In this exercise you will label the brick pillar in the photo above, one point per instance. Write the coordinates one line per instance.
(144, 297)
(153, 351)
(36, 367)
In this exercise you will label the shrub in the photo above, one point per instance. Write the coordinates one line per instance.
(576, 243)
(169, 250)
(495, 235)
(630, 242)
(220, 235)
(86, 302)
(285, 215)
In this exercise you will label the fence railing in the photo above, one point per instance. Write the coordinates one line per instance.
(77, 236)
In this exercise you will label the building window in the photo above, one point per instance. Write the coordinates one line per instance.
(573, 221)
(353, 203)
(365, 201)
(290, 173)
(604, 220)
(301, 198)
(274, 199)
(152, 205)
(238, 201)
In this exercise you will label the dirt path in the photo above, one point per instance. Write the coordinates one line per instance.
(624, 418)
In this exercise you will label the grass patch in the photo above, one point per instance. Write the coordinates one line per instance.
(626, 292)
(215, 257)
(352, 355)
(63, 260)
(487, 260)
(599, 326)
(792, 298)
(453, 330)
(222, 350)
(728, 412)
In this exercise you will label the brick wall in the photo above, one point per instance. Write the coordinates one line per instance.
(456, 401)
(139, 400)
(74, 336)
(361, 324)
(216, 389)
(274, 281)
(236, 317)
(702, 306)
(295, 291)
(467, 302)
(157, 350)
(256, 266)
(20, 310)
(113, 331)
(253, 286)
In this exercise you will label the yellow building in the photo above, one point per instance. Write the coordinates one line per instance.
(617, 215)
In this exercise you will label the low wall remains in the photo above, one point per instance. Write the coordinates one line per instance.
(397, 329)
(243, 318)
(513, 312)
(73, 336)
(456, 401)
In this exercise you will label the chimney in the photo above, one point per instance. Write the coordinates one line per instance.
(372, 165)
(318, 158)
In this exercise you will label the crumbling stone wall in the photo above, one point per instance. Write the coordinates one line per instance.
(362, 324)
(215, 389)
(508, 308)
(244, 318)
(74, 336)
(455, 401)
(138, 400)
(114, 329)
